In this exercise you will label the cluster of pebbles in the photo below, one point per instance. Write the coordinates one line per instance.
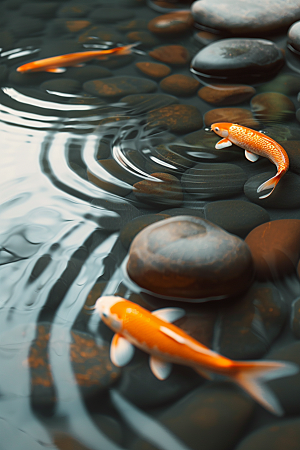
(196, 233)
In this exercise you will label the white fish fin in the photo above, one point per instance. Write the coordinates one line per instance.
(204, 373)
(223, 143)
(121, 351)
(56, 70)
(250, 376)
(161, 369)
(251, 156)
(173, 335)
(269, 184)
(169, 314)
(188, 342)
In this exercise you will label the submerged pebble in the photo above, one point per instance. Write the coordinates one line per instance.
(119, 86)
(165, 191)
(226, 94)
(173, 23)
(180, 85)
(272, 107)
(175, 55)
(241, 116)
(154, 70)
(176, 118)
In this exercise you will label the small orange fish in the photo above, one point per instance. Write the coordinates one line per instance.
(255, 144)
(166, 343)
(57, 64)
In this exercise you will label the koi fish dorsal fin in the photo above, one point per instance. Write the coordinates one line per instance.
(121, 351)
(251, 156)
(161, 369)
(169, 314)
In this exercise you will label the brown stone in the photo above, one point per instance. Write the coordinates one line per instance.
(226, 94)
(173, 23)
(165, 191)
(275, 248)
(119, 86)
(176, 55)
(190, 258)
(240, 116)
(154, 70)
(272, 107)
(145, 38)
(76, 25)
(180, 85)
(177, 118)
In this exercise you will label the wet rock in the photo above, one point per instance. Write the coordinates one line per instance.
(236, 216)
(73, 10)
(176, 118)
(238, 60)
(142, 103)
(190, 258)
(294, 37)
(29, 79)
(119, 86)
(285, 434)
(67, 85)
(184, 212)
(145, 38)
(249, 325)
(286, 83)
(295, 318)
(249, 18)
(132, 25)
(226, 94)
(103, 33)
(292, 148)
(154, 70)
(287, 389)
(172, 154)
(180, 85)
(87, 73)
(62, 26)
(41, 10)
(165, 191)
(20, 27)
(132, 228)
(275, 248)
(213, 181)
(105, 181)
(175, 55)
(214, 415)
(205, 38)
(285, 195)
(241, 116)
(272, 107)
(173, 23)
(111, 14)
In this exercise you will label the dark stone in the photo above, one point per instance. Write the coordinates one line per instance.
(153, 70)
(180, 85)
(205, 38)
(184, 212)
(176, 118)
(285, 83)
(249, 325)
(6, 39)
(238, 60)
(285, 196)
(284, 435)
(275, 248)
(87, 73)
(25, 27)
(132, 25)
(172, 154)
(175, 55)
(295, 319)
(42, 9)
(294, 36)
(213, 181)
(103, 33)
(241, 116)
(111, 14)
(74, 9)
(165, 191)
(173, 23)
(105, 181)
(236, 216)
(272, 107)
(61, 85)
(132, 228)
(246, 18)
(190, 258)
(142, 103)
(213, 416)
(145, 38)
(226, 94)
(113, 87)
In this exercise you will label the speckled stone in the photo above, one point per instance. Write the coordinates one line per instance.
(294, 37)
(142, 103)
(249, 18)
(213, 181)
(153, 70)
(272, 107)
(180, 85)
(67, 85)
(275, 248)
(175, 55)
(173, 23)
(189, 257)
(239, 60)
(226, 94)
(241, 116)
(165, 191)
(236, 216)
(119, 86)
(177, 118)
(285, 196)
(132, 228)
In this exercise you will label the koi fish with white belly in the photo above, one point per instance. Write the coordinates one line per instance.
(166, 343)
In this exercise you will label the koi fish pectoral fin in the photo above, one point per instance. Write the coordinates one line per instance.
(121, 351)
(161, 369)
(251, 156)
(223, 143)
(56, 70)
(169, 314)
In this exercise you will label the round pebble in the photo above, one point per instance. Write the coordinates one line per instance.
(190, 258)
(226, 94)
(180, 85)
(176, 118)
(175, 55)
(88, 72)
(238, 60)
(119, 86)
(132, 228)
(173, 23)
(272, 107)
(241, 116)
(294, 36)
(67, 85)
(275, 248)
(292, 148)
(153, 70)
(165, 191)
(236, 216)
(142, 103)
(286, 83)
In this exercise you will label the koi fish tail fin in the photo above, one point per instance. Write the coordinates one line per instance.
(269, 184)
(251, 376)
(127, 49)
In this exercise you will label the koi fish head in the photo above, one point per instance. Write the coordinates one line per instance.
(110, 310)
(221, 128)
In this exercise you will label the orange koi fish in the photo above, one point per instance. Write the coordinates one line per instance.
(255, 144)
(57, 64)
(166, 343)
